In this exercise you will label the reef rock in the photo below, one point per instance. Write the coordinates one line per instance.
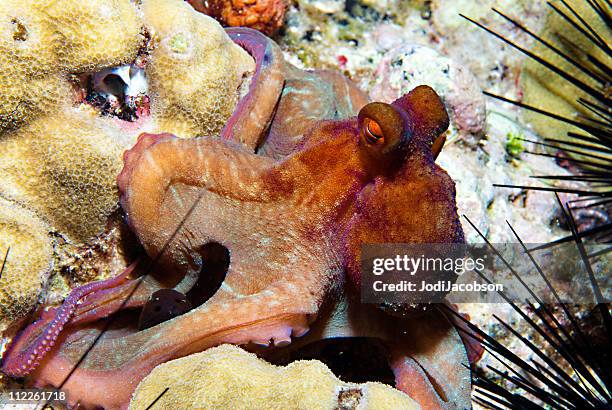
(264, 15)
(408, 66)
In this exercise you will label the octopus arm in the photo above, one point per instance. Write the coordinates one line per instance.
(159, 164)
(255, 110)
(272, 315)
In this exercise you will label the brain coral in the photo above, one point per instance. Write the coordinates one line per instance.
(227, 377)
(58, 155)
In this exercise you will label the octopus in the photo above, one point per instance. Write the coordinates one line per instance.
(253, 237)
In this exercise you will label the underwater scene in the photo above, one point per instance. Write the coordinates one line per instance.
(305, 204)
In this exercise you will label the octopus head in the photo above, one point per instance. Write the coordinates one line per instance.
(410, 199)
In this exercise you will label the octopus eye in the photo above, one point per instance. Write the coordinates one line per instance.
(382, 129)
(373, 132)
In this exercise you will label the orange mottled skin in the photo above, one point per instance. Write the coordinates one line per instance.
(263, 15)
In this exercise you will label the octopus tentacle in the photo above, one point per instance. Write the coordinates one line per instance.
(254, 111)
(51, 323)
(307, 99)
(107, 301)
(268, 317)
(412, 379)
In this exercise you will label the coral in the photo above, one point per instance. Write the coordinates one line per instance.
(409, 65)
(228, 377)
(27, 264)
(42, 42)
(40, 169)
(264, 15)
(89, 34)
(59, 156)
(195, 70)
(41, 45)
(292, 226)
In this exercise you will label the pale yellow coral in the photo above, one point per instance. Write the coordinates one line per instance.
(195, 70)
(57, 163)
(27, 263)
(64, 167)
(90, 34)
(42, 42)
(227, 377)
(28, 88)
(58, 158)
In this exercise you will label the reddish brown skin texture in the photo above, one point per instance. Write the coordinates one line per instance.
(263, 15)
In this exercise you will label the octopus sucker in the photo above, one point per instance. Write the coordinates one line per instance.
(50, 325)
